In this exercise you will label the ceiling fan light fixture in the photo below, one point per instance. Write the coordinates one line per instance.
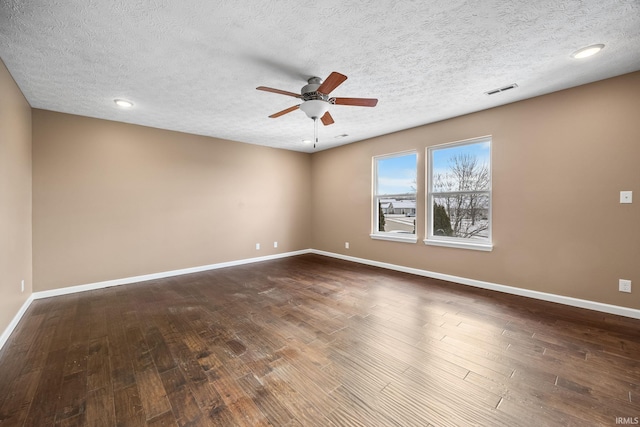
(315, 108)
(588, 51)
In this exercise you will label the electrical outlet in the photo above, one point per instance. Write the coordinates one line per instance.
(257, 246)
(346, 245)
(626, 197)
(22, 286)
(275, 244)
(624, 285)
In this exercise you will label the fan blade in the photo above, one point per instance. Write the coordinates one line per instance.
(333, 81)
(283, 112)
(281, 92)
(359, 102)
(327, 119)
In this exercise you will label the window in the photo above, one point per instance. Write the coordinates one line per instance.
(459, 194)
(394, 197)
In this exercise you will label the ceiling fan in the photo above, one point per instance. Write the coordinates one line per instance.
(316, 100)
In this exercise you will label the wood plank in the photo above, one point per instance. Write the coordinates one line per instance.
(36, 357)
(18, 400)
(122, 374)
(98, 369)
(43, 405)
(37, 326)
(100, 408)
(159, 350)
(208, 398)
(185, 409)
(72, 399)
(128, 407)
(240, 403)
(165, 419)
(152, 394)
(353, 410)
(266, 398)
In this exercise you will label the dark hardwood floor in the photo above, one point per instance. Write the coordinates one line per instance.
(313, 341)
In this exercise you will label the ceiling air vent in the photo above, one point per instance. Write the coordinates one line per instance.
(502, 89)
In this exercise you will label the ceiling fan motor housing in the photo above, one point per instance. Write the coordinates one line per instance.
(311, 87)
(310, 90)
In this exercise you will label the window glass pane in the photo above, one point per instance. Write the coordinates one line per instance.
(459, 193)
(396, 175)
(397, 214)
(461, 168)
(395, 194)
(461, 215)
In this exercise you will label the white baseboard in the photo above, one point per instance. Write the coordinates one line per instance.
(161, 275)
(14, 322)
(574, 302)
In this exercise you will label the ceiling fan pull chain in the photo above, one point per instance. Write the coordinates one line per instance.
(315, 131)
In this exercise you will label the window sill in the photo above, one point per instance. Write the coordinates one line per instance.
(487, 247)
(395, 237)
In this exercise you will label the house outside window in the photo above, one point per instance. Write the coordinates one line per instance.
(459, 194)
(394, 197)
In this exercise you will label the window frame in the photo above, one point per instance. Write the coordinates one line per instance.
(384, 235)
(457, 242)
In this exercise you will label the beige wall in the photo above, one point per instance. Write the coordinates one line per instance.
(113, 200)
(15, 198)
(559, 163)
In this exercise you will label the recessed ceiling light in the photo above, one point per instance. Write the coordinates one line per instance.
(123, 103)
(588, 51)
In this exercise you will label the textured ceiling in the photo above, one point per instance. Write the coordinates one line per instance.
(193, 65)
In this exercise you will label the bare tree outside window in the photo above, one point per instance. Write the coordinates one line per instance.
(460, 185)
